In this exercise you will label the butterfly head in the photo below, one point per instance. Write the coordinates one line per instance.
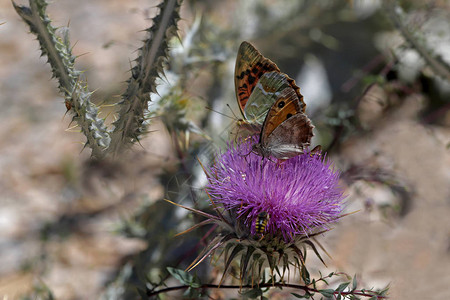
(258, 149)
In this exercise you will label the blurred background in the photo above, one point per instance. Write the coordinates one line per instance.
(376, 80)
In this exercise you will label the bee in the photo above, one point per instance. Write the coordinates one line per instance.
(316, 151)
(261, 222)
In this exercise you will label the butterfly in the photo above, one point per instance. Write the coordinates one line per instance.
(272, 105)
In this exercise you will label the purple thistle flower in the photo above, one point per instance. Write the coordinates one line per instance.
(298, 195)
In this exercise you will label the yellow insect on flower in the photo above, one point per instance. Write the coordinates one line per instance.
(261, 222)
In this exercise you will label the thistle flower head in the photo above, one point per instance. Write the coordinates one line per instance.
(269, 211)
(296, 196)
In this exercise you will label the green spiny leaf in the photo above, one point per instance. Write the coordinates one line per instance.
(148, 67)
(71, 85)
(315, 251)
(245, 260)
(237, 249)
(314, 283)
(354, 283)
(342, 286)
(253, 293)
(327, 293)
(227, 250)
(196, 283)
(384, 291)
(285, 263)
(213, 245)
(305, 275)
(182, 276)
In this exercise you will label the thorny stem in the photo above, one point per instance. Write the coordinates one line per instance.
(268, 285)
(439, 67)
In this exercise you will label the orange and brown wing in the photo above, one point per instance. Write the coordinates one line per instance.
(286, 106)
(250, 66)
(297, 91)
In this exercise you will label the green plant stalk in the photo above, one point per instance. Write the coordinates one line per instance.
(71, 84)
(131, 124)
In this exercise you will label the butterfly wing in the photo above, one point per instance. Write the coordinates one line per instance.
(290, 138)
(250, 66)
(261, 88)
(286, 130)
(264, 95)
(286, 106)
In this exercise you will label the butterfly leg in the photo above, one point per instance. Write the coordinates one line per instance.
(262, 165)
(245, 155)
(236, 134)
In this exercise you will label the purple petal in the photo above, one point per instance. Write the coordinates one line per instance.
(299, 194)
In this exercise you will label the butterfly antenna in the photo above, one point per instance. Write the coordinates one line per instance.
(239, 121)
(235, 117)
(220, 113)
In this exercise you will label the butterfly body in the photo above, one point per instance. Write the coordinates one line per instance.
(272, 105)
(289, 139)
